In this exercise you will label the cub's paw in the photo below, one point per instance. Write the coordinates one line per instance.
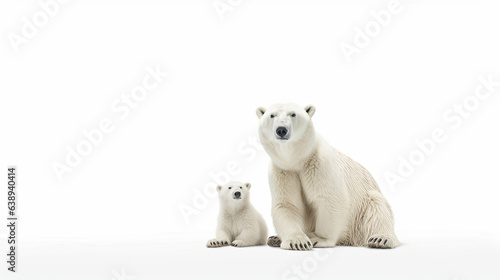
(296, 242)
(319, 242)
(239, 243)
(382, 241)
(274, 241)
(214, 243)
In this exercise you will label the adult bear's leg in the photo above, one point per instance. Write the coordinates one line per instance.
(331, 219)
(288, 210)
(378, 223)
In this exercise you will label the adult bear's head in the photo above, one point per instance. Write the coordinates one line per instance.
(287, 133)
(282, 123)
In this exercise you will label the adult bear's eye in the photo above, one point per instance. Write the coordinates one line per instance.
(293, 115)
(272, 116)
(230, 187)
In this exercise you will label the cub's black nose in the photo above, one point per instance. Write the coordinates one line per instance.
(237, 194)
(281, 131)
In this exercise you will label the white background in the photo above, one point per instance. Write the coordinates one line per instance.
(133, 185)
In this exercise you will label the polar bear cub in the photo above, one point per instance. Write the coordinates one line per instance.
(320, 197)
(238, 224)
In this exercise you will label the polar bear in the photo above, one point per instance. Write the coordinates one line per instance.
(238, 224)
(320, 197)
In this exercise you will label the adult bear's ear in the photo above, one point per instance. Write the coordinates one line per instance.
(310, 109)
(260, 111)
(219, 187)
(248, 185)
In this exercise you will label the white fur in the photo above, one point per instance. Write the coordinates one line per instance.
(320, 197)
(239, 224)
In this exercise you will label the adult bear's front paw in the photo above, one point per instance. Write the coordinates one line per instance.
(322, 242)
(296, 242)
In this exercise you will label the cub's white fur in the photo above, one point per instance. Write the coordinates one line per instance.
(320, 197)
(239, 224)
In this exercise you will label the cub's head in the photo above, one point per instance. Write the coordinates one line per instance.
(284, 123)
(233, 192)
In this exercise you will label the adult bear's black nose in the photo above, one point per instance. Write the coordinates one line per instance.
(237, 194)
(281, 131)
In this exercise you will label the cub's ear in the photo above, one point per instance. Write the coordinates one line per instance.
(310, 109)
(260, 111)
(219, 187)
(248, 185)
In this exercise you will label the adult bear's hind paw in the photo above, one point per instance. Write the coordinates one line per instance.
(382, 242)
(274, 241)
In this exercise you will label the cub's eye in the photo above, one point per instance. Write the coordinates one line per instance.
(272, 116)
(230, 187)
(241, 187)
(293, 115)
